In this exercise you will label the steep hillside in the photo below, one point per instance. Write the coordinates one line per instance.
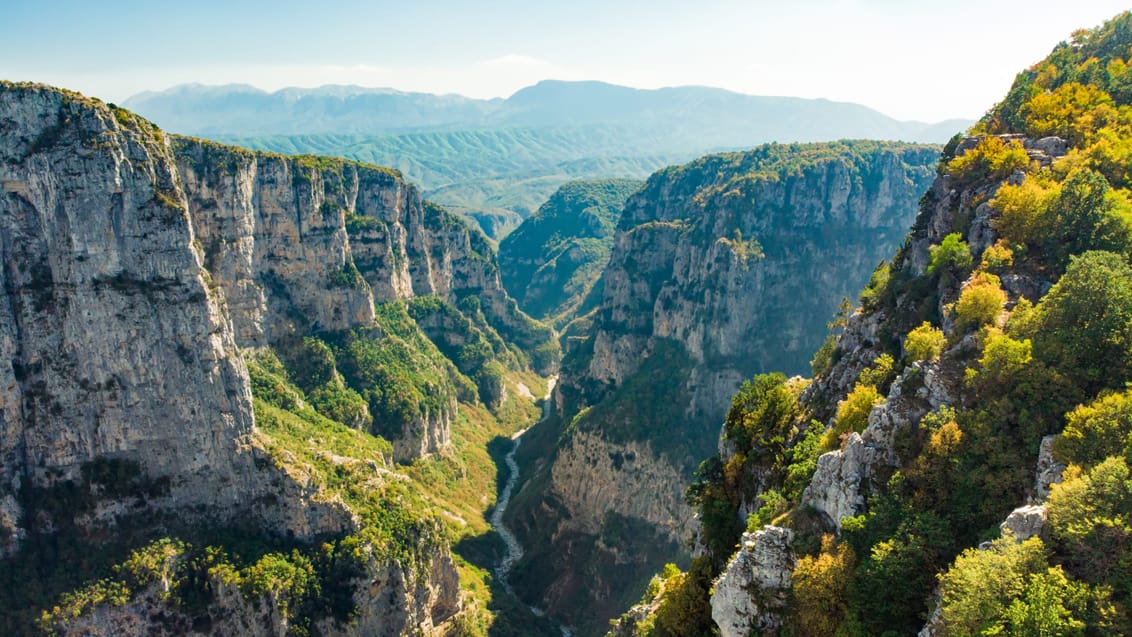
(958, 465)
(217, 363)
(720, 268)
(550, 263)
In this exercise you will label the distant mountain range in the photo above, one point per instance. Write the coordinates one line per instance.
(726, 118)
(498, 160)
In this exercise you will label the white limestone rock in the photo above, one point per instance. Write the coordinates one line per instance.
(1025, 522)
(1048, 471)
(751, 592)
(836, 488)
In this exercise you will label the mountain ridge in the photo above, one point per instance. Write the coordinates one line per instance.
(589, 94)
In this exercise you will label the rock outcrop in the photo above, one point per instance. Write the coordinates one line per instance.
(750, 595)
(593, 476)
(1048, 472)
(844, 476)
(299, 245)
(1025, 522)
(838, 487)
(390, 601)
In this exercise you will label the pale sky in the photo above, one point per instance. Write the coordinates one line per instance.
(910, 59)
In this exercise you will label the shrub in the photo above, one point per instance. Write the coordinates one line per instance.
(924, 343)
(684, 609)
(1084, 217)
(773, 505)
(1023, 209)
(874, 293)
(761, 418)
(1073, 111)
(819, 586)
(980, 303)
(951, 259)
(880, 373)
(992, 158)
(823, 358)
(1009, 589)
(1003, 357)
(997, 257)
(310, 363)
(338, 402)
(852, 414)
(1096, 431)
(1090, 514)
(1083, 325)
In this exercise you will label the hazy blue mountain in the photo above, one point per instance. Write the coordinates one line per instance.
(496, 161)
(197, 109)
(688, 112)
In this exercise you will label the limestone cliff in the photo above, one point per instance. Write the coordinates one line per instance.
(136, 267)
(721, 268)
(302, 245)
(115, 348)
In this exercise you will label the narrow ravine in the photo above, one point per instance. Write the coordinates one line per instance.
(514, 549)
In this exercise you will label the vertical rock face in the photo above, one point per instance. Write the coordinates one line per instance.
(750, 596)
(741, 267)
(113, 345)
(300, 245)
(720, 269)
(274, 239)
(135, 268)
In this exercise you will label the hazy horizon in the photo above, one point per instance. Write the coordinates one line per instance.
(392, 89)
(911, 60)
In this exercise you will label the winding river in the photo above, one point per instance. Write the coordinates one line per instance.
(514, 549)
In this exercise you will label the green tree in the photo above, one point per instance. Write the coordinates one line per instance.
(1096, 431)
(977, 590)
(1090, 515)
(684, 609)
(1051, 604)
(1083, 326)
(761, 418)
(951, 259)
(979, 303)
(924, 343)
(819, 586)
(992, 158)
(852, 413)
(1082, 218)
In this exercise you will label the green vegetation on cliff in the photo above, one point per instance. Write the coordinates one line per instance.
(1005, 319)
(550, 263)
(357, 469)
(721, 268)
